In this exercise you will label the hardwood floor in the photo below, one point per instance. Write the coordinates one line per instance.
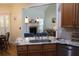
(11, 51)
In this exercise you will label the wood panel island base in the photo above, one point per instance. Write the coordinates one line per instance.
(51, 49)
(36, 50)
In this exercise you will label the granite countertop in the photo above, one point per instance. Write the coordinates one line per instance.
(25, 41)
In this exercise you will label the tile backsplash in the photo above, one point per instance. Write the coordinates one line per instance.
(66, 34)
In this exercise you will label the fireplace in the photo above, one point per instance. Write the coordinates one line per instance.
(33, 30)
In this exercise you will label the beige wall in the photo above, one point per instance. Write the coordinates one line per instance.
(4, 9)
(16, 20)
(15, 12)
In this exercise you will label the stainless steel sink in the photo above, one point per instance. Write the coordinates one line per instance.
(37, 41)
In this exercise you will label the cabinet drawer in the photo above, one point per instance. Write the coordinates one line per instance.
(49, 47)
(34, 48)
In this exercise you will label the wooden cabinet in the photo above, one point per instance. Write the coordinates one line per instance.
(34, 50)
(49, 50)
(70, 15)
(77, 15)
(67, 13)
(37, 50)
(22, 50)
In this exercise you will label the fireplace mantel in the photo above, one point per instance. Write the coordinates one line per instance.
(32, 24)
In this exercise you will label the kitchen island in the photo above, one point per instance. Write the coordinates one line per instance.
(54, 48)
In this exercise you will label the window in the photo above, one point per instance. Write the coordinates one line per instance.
(4, 24)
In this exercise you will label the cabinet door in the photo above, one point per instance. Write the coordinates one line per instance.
(22, 50)
(49, 50)
(34, 50)
(49, 47)
(67, 15)
(77, 15)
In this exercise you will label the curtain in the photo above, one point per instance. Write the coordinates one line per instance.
(4, 24)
